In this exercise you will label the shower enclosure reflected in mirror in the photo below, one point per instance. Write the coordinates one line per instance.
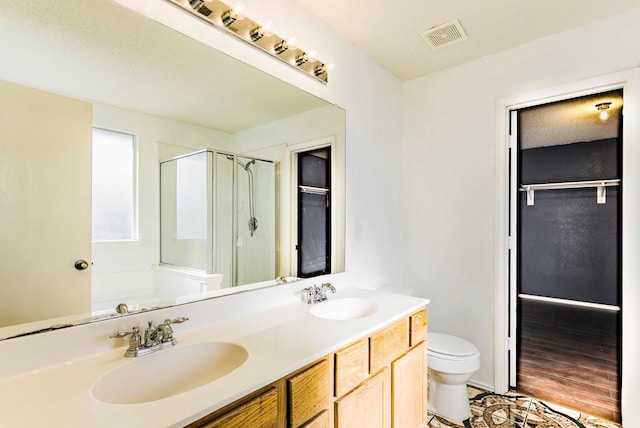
(218, 220)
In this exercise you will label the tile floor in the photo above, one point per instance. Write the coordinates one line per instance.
(490, 410)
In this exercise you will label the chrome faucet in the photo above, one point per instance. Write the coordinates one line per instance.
(122, 309)
(153, 339)
(315, 294)
(285, 280)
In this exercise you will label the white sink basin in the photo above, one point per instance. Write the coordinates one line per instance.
(169, 372)
(346, 308)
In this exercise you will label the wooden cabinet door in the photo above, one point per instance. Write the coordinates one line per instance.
(260, 412)
(321, 421)
(368, 405)
(409, 389)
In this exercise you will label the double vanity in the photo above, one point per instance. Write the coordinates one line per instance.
(266, 356)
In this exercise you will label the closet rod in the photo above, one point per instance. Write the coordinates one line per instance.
(600, 185)
(570, 185)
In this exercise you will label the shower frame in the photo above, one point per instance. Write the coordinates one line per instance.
(211, 176)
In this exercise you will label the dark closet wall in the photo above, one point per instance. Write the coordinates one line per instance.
(569, 245)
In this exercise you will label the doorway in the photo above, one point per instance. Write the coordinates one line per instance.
(314, 212)
(565, 257)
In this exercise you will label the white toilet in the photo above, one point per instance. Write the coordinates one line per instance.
(452, 361)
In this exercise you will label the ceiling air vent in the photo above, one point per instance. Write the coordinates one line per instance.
(442, 35)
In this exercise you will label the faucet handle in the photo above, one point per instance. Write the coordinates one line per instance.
(322, 291)
(308, 294)
(135, 340)
(328, 285)
(122, 333)
(178, 320)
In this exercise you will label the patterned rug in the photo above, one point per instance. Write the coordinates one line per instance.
(501, 411)
(489, 410)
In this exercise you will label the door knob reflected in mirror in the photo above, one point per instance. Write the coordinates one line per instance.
(81, 264)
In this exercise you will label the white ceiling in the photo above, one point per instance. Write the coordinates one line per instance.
(96, 50)
(389, 31)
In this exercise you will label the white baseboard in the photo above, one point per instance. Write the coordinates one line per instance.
(480, 385)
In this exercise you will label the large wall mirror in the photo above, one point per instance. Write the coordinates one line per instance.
(80, 228)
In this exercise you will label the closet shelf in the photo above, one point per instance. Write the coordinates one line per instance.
(600, 186)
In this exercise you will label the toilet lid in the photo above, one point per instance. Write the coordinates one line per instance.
(449, 345)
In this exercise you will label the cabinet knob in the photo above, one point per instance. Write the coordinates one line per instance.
(81, 264)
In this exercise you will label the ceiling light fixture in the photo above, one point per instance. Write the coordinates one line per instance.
(228, 17)
(320, 70)
(603, 109)
(301, 59)
(231, 18)
(256, 34)
(279, 48)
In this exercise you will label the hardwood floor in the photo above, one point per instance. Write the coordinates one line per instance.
(570, 356)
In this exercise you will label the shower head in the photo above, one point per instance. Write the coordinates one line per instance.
(247, 165)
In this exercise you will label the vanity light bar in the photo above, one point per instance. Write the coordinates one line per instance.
(222, 16)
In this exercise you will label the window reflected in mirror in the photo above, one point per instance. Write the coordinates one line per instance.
(114, 186)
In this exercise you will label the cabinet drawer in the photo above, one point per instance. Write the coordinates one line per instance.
(309, 393)
(418, 327)
(388, 344)
(352, 366)
(260, 412)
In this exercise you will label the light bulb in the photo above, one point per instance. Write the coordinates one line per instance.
(267, 29)
(291, 42)
(239, 10)
(603, 108)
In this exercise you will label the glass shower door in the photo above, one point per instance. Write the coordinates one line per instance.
(186, 212)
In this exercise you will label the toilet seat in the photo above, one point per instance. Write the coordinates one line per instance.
(447, 346)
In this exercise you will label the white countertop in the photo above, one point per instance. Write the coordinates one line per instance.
(279, 340)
